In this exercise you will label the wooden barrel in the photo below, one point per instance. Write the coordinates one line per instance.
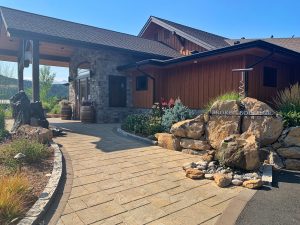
(66, 112)
(87, 114)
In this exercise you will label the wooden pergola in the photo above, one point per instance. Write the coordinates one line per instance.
(30, 49)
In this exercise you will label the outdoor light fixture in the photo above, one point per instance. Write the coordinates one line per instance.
(27, 53)
(27, 58)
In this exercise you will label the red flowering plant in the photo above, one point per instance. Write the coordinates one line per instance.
(158, 108)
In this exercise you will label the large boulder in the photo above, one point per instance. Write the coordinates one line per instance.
(38, 115)
(194, 144)
(240, 151)
(168, 141)
(40, 134)
(224, 121)
(193, 128)
(292, 164)
(20, 104)
(289, 152)
(267, 127)
(293, 137)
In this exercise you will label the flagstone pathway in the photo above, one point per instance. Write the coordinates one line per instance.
(118, 180)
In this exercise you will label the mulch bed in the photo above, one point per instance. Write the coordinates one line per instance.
(38, 175)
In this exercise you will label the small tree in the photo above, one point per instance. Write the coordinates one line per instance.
(46, 81)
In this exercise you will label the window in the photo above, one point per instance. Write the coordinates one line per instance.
(270, 77)
(141, 83)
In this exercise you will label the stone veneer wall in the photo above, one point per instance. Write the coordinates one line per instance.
(103, 64)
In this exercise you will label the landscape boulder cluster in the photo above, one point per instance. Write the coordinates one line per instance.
(234, 139)
(29, 119)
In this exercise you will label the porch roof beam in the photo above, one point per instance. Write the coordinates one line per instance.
(7, 52)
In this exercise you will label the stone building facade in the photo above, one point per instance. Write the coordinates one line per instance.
(103, 64)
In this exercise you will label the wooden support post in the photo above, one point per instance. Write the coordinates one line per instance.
(35, 71)
(20, 76)
(21, 66)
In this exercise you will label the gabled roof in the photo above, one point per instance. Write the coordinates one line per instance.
(21, 24)
(207, 40)
(289, 43)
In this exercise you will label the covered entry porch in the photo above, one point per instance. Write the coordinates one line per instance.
(28, 50)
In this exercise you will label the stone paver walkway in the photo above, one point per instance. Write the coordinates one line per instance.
(121, 181)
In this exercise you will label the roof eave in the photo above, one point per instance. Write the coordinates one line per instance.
(257, 43)
(53, 39)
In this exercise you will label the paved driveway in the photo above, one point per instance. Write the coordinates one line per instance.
(279, 205)
(121, 181)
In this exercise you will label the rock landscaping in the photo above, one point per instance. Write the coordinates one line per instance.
(235, 139)
(26, 159)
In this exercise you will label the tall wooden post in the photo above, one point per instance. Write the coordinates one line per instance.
(35, 71)
(21, 66)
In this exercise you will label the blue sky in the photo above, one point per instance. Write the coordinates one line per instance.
(232, 19)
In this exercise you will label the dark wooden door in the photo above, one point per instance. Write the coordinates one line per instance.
(117, 91)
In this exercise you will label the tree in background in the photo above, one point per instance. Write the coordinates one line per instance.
(50, 103)
(46, 81)
(7, 70)
(7, 88)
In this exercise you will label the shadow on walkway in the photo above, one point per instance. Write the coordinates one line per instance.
(109, 140)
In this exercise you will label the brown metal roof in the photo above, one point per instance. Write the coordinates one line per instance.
(20, 23)
(289, 43)
(205, 39)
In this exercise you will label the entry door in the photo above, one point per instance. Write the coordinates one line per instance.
(83, 93)
(117, 91)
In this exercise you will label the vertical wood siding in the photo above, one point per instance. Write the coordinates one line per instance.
(257, 90)
(196, 84)
(142, 99)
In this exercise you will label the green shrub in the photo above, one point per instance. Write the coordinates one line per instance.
(287, 103)
(7, 111)
(33, 150)
(288, 100)
(2, 120)
(173, 115)
(56, 109)
(3, 131)
(142, 124)
(227, 96)
(291, 118)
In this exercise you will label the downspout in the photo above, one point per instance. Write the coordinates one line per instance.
(246, 80)
(153, 80)
(246, 73)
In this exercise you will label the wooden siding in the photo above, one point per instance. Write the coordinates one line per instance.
(285, 77)
(196, 84)
(142, 99)
(163, 35)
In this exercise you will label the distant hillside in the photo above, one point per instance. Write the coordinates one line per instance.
(9, 86)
